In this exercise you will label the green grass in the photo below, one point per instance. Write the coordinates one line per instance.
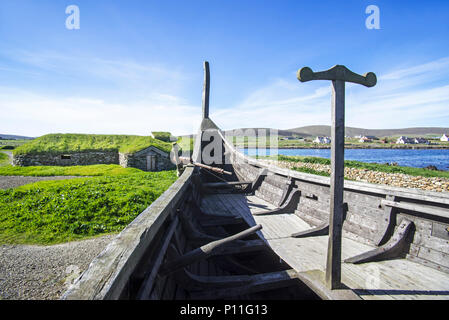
(47, 171)
(368, 166)
(4, 159)
(50, 212)
(60, 143)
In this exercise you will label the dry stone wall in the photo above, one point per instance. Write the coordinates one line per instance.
(391, 179)
(66, 159)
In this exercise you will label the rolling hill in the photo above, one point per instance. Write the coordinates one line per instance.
(350, 131)
(14, 137)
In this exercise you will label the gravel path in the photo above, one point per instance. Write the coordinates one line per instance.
(16, 181)
(29, 272)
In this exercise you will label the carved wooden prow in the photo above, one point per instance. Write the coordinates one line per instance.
(338, 75)
(206, 90)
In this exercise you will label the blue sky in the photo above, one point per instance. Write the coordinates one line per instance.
(136, 66)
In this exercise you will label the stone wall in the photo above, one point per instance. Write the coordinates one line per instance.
(392, 179)
(139, 160)
(66, 159)
(136, 160)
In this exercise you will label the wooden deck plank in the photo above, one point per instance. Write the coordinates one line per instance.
(395, 279)
(391, 279)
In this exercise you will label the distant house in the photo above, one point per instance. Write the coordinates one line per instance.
(324, 140)
(365, 139)
(405, 140)
(421, 140)
(289, 138)
(444, 138)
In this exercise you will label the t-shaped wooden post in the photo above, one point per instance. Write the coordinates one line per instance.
(339, 75)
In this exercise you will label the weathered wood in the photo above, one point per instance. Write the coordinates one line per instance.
(192, 281)
(206, 90)
(315, 280)
(435, 211)
(392, 249)
(204, 251)
(333, 268)
(322, 230)
(229, 184)
(205, 166)
(387, 221)
(289, 206)
(148, 283)
(220, 221)
(338, 73)
(259, 282)
(258, 181)
(192, 232)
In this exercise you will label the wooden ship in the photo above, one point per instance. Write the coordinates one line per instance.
(238, 228)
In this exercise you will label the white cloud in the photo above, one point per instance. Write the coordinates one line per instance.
(26, 113)
(409, 97)
(150, 99)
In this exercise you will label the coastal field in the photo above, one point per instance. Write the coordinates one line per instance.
(49, 212)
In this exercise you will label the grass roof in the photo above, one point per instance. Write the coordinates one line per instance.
(69, 142)
(162, 135)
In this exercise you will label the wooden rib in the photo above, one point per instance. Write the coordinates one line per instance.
(286, 192)
(192, 281)
(193, 234)
(212, 222)
(149, 279)
(289, 206)
(205, 251)
(392, 249)
(321, 230)
(258, 283)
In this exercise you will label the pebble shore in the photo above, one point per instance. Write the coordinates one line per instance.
(391, 179)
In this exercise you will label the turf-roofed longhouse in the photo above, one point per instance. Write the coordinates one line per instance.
(142, 152)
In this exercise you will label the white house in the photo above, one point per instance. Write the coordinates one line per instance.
(322, 140)
(444, 138)
(421, 140)
(366, 139)
(405, 140)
